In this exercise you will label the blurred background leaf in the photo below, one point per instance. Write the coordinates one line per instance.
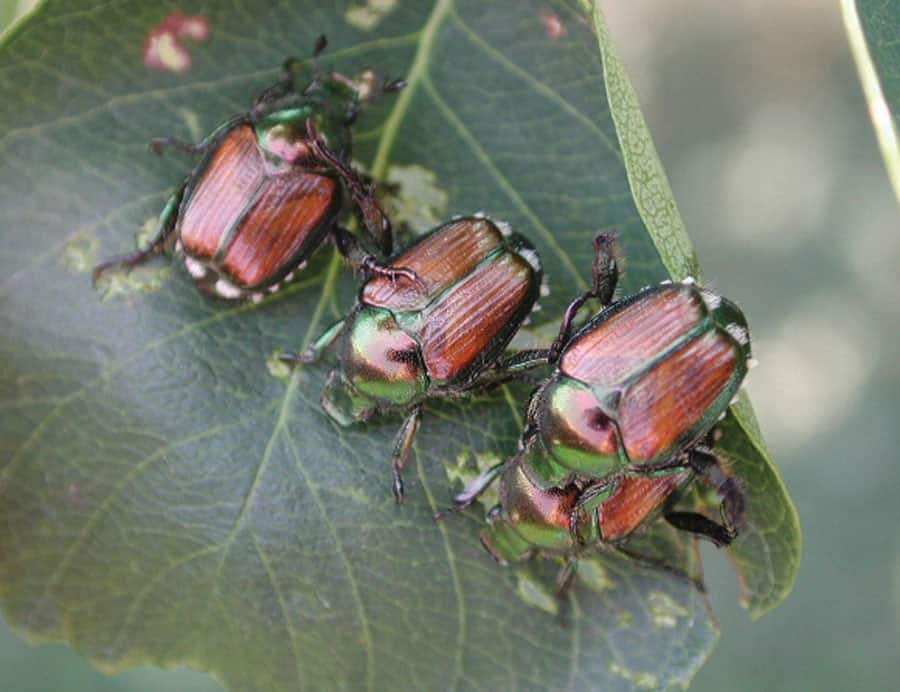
(133, 473)
(873, 28)
(757, 113)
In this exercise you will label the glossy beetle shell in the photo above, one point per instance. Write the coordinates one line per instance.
(635, 501)
(529, 518)
(266, 191)
(477, 286)
(247, 220)
(639, 382)
(532, 518)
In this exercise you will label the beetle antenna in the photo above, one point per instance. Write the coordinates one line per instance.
(370, 89)
(319, 46)
(605, 271)
(606, 266)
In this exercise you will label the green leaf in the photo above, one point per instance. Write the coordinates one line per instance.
(768, 559)
(873, 28)
(169, 496)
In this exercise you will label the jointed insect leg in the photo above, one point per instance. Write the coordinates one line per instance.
(167, 221)
(402, 446)
(315, 350)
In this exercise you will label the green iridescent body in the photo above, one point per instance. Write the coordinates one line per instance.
(372, 377)
(625, 420)
(530, 519)
(572, 520)
(332, 107)
(404, 343)
(611, 406)
(267, 191)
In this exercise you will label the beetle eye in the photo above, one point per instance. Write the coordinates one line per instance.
(403, 356)
(599, 420)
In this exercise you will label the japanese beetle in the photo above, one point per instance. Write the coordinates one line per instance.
(531, 519)
(267, 190)
(634, 393)
(642, 381)
(407, 341)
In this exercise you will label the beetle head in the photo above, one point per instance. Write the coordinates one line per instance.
(381, 368)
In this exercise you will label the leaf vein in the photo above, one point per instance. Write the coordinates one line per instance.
(541, 88)
(503, 182)
(454, 576)
(288, 624)
(102, 509)
(114, 102)
(342, 556)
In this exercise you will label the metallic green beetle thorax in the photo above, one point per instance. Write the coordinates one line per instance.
(282, 135)
(533, 518)
(639, 382)
(381, 366)
(576, 429)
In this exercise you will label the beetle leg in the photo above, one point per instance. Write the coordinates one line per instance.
(494, 514)
(502, 542)
(586, 504)
(730, 489)
(473, 490)
(402, 446)
(699, 525)
(315, 350)
(157, 246)
(566, 577)
(492, 551)
(605, 272)
(565, 327)
(374, 219)
(606, 267)
(507, 369)
(349, 247)
(391, 86)
(158, 144)
(707, 467)
(523, 361)
(372, 266)
(278, 91)
(671, 464)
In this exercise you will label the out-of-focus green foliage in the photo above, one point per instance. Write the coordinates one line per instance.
(873, 27)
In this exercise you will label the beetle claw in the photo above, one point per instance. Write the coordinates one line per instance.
(573, 529)
(371, 266)
(303, 358)
(444, 513)
(395, 273)
(398, 487)
(127, 262)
